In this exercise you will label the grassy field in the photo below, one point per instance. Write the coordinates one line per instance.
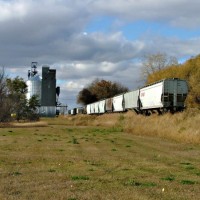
(79, 162)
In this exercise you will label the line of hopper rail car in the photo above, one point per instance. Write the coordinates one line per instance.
(162, 96)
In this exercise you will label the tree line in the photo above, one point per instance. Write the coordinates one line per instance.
(13, 101)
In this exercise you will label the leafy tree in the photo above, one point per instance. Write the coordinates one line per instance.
(85, 96)
(99, 89)
(17, 89)
(33, 103)
(32, 108)
(13, 99)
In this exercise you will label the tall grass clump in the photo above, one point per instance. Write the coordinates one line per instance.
(181, 127)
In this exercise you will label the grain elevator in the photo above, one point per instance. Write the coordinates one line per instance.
(45, 89)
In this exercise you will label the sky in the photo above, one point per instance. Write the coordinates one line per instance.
(85, 40)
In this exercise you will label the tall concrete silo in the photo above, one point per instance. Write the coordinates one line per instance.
(34, 82)
(48, 95)
(48, 86)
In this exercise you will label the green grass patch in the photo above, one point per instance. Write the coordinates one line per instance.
(51, 170)
(75, 141)
(78, 178)
(187, 182)
(197, 173)
(168, 178)
(16, 173)
(70, 130)
(190, 167)
(106, 131)
(185, 163)
(92, 163)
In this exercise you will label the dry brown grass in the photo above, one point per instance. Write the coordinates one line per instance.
(180, 127)
(30, 124)
(24, 124)
(108, 120)
(173, 127)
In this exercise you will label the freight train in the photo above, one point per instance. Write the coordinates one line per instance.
(162, 96)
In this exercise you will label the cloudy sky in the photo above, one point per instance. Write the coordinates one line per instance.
(88, 39)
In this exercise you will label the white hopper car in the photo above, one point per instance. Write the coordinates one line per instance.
(162, 96)
(168, 94)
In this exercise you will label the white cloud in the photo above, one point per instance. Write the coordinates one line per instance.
(72, 85)
(11, 10)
